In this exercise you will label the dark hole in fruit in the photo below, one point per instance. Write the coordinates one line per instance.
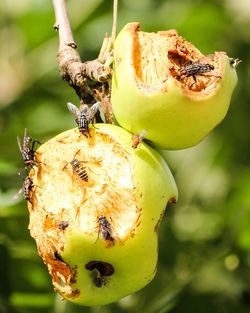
(104, 268)
(100, 271)
(58, 257)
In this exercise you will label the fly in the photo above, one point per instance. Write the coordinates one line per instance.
(234, 62)
(138, 138)
(63, 225)
(79, 168)
(27, 150)
(83, 117)
(194, 68)
(27, 188)
(105, 229)
(100, 281)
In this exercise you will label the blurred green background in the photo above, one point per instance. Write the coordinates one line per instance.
(204, 243)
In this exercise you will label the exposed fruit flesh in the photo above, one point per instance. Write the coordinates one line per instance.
(160, 56)
(164, 85)
(94, 230)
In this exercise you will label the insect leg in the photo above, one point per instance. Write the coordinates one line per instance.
(33, 144)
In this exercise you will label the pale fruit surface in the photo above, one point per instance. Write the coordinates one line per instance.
(129, 188)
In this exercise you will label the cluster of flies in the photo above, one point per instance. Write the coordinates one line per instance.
(27, 146)
(27, 149)
(83, 117)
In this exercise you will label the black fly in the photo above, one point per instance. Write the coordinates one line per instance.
(27, 150)
(83, 117)
(194, 68)
(100, 281)
(105, 229)
(63, 225)
(234, 62)
(27, 188)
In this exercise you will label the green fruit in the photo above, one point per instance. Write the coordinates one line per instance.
(153, 89)
(95, 209)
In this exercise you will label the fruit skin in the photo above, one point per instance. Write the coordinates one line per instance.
(174, 116)
(134, 258)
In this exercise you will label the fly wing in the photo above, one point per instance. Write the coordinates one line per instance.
(74, 111)
(92, 111)
(27, 140)
(19, 144)
(142, 134)
(20, 191)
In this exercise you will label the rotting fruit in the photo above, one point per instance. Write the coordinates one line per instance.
(164, 85)
(95, 209)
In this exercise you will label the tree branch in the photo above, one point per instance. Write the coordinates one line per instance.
(79, 74)
(62, 25)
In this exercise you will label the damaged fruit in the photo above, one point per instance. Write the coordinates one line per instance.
(95, 209)
(164, 85)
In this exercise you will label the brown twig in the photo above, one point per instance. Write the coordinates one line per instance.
(78, 73)
(62, 24)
